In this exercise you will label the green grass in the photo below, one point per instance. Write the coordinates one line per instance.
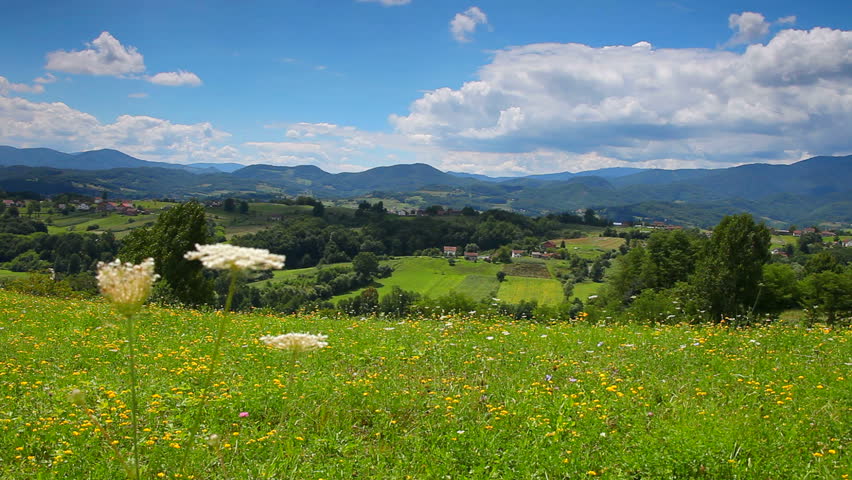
(10, 275)
(434, 277)
(464, 397)
(590, 247)
(586, 289)
(545, 291)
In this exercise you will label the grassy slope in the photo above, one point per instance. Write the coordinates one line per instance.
(466, 397)
(435, 277)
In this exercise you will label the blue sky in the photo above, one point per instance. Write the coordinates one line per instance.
(494, 87)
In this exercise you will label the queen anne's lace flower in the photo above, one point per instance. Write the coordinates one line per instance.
(126, 285)
(296, 342)
(222, 256)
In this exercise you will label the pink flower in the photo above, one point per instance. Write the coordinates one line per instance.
(243, 414)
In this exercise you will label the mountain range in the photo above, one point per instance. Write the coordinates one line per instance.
(815, 190)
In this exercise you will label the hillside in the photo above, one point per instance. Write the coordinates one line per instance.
(811, 191)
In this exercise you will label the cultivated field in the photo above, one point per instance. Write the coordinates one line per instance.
(460, 397)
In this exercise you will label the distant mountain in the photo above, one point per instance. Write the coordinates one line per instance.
(811, 191)
(220, 167)
(96, 160)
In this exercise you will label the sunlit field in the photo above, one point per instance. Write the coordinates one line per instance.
(449, 397)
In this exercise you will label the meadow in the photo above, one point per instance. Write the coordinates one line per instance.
(454, 397)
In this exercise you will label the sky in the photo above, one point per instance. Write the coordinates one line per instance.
(495, 87)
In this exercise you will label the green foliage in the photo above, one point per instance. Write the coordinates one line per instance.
(780, 288)
(365, 264)
(398, 303)
(827, 295)
(28, 261)
(501, 275)
(176, 232)
(731, 266)
(42, 285)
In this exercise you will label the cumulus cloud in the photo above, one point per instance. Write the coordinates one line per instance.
(641, 104)
(105, 56)
(387, 3)
(47, 78)
(175, 79)
(56, 125)
(748, 27)
(789, 20)
(465, 23)
(7, 87)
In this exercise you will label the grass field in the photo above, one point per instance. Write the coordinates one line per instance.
(464, 397)
(10, 275)
(434, 277)
(590, 247)
(544, 291)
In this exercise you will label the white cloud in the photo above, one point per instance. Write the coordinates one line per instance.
(748, 27)
(465, 23)
(789, 20)
(7, 87)
(56, 125)
(640, 104)
(137, 95)
(47, 78)
(387, 3)
(105, 56)
(175, 79)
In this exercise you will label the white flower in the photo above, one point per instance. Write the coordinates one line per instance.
(229, 257)
(126, 285)
(296, 342)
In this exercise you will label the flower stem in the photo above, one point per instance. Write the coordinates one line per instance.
(214, 360)
(134, 404)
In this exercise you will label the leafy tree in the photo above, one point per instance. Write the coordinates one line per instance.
(244, 207)
(672, 257)
(471, 247)
(822, 262)
(779, 287)
(365, 264)
(568, 289)
(807, 239)
(230, 205)
(501, 276)
(176, 232)
(827, 294)
(318, 210)
(731, 266)
(503, 254)
(398, 302)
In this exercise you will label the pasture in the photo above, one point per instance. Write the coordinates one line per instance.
(464, 397)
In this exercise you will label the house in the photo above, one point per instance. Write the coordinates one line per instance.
(782, 232)
(450, 251)
(797, 233)
(9, 203)
(84, 207)
(809, 230)
(536, 254)
(473, 256)
(827, 234)
(517, 253)
(847, 243)
(778, 251)
(548, 244)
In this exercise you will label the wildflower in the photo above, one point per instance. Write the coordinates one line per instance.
(244, 414)
(296, 342)
(229, 257)
(126, 285)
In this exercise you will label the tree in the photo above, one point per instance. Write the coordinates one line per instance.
(176, 232)
(501, 276)
(827, 293)
(244, 207)
(471, 247)
(503, 254)
(568, 289)
(365, 264)
(731, 266)
(230, 204)
(318, 210)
